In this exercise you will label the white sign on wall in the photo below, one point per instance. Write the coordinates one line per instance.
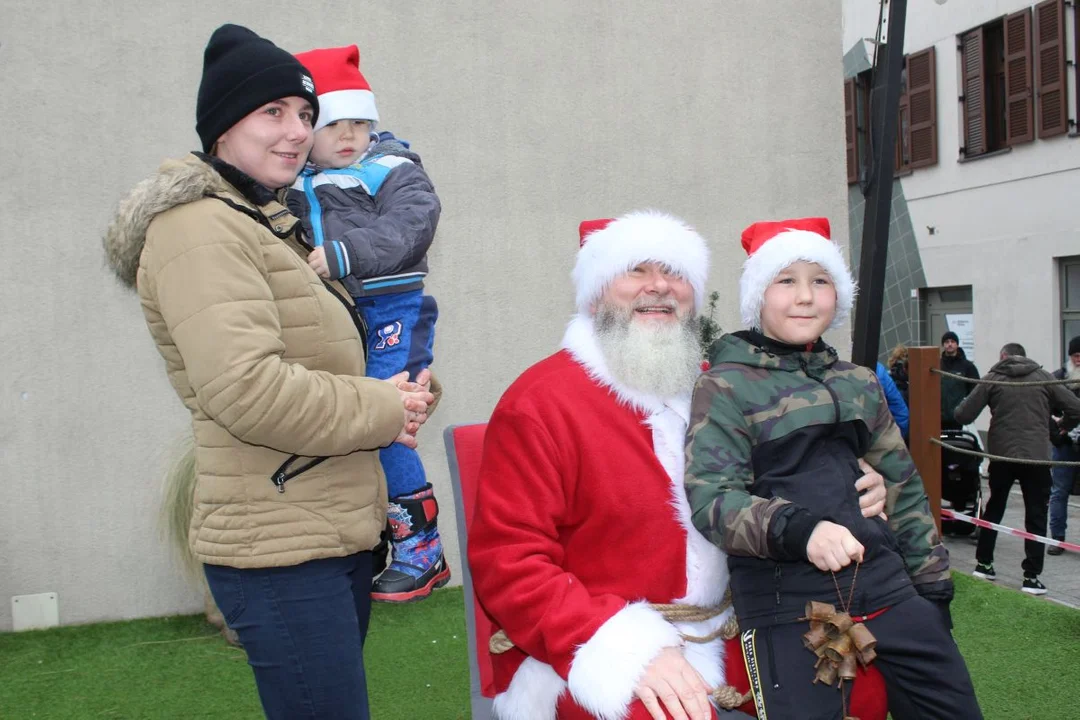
(963, 324)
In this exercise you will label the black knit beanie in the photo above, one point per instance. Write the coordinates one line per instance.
(1074, 345)
(950, 335)
(242, 72)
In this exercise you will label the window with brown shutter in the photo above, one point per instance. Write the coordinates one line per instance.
(1019, 103)
(922, 109)
(997, 93)
(1052, 115)
(849, 131)
(974, 93)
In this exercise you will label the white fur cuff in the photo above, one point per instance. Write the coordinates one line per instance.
(533, 694)
(607, 668)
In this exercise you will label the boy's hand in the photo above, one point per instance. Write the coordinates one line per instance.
(832, 547)
(317, 262)
(872, 488)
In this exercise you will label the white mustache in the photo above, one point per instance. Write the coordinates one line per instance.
(668, 304)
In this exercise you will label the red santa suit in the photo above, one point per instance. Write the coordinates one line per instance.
(581, 519)
(581, 522)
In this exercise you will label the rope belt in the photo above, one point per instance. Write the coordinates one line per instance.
(693, 613)
(726, 696)
(1002, 458)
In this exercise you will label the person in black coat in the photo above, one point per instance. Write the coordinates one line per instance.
(953, 391)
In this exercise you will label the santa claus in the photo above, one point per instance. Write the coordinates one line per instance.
(609, 603)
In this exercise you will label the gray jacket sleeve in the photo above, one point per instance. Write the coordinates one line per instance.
(408, 213)
(1063, 401)
(969, 409)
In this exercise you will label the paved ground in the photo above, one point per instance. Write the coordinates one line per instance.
(1061, 574)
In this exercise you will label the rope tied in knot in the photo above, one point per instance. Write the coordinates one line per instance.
(729, 698)
(500, 643)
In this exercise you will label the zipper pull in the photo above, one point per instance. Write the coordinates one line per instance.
(279, 479)
(777, 579)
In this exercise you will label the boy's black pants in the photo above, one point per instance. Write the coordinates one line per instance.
(1035, 484)
(916, 655)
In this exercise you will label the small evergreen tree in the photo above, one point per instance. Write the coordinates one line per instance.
(709, 331)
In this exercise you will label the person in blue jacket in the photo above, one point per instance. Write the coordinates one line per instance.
(371, 211)
(897, 406)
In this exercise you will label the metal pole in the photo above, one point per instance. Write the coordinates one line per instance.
(875, 240)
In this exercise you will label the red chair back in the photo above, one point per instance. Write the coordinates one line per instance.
(464, 448)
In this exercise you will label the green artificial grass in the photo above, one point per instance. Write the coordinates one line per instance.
(1023, 653)
(416, 658)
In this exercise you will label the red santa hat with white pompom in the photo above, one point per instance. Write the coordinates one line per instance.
(343, 91)
(612, 247)
(773, 246)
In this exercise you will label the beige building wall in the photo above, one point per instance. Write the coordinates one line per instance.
(529, 116)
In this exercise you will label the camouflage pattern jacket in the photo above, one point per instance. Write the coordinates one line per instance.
(773, 445)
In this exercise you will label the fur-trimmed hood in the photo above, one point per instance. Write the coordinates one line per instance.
(176, 182)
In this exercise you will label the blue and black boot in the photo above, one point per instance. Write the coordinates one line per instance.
(418, 565)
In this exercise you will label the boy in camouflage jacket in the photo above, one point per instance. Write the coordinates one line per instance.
(777, 429)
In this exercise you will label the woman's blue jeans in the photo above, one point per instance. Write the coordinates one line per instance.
(303, 628)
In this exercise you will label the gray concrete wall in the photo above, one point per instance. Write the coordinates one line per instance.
(530, 117)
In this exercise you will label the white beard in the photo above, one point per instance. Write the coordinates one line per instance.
(658, 358)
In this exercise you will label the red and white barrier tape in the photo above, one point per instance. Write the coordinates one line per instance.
(950, 515)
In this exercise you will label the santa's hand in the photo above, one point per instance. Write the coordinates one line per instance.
(872, 487)
(832, 547)
(671, 681)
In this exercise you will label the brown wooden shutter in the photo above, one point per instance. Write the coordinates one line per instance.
(974, 97)
(903, 125)
(1076, 53)
(1019, 104)
(922, 108)
(849, 131)
(1053, 117)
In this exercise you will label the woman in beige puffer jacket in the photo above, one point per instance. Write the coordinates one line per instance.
(269, 359)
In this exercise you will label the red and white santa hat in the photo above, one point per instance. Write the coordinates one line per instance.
(611, 247)
(773, 246)
(343, 92)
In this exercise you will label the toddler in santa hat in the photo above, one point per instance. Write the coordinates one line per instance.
(370, 212)
(778, 431)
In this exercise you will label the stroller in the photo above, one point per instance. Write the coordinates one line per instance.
(961, 485)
